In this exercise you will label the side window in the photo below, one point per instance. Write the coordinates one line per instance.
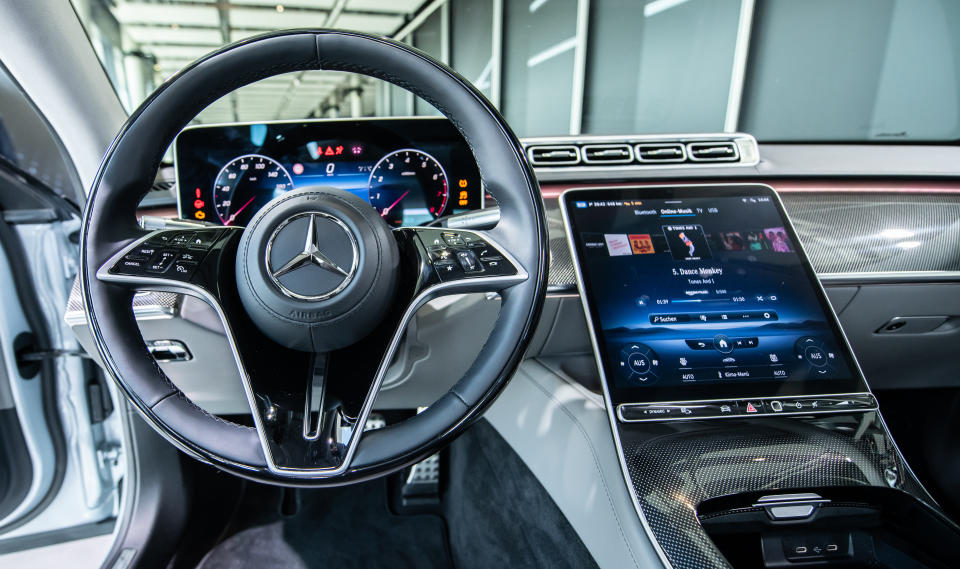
(27, 143)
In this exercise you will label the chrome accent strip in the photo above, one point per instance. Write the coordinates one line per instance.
(683, 137)
(472, 284)
(558, 293)
(596, 349)
(275, 274)
(154, 222)
(588, 160)
(573, 147)
(782, 498)
(848, 279)
(783, 413)
(487, 216)
(680, 145)
(153, 312)
(745, 145)
(178, 350)
(693, 158)
(889, 277)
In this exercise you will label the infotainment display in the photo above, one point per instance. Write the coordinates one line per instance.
(704, 292)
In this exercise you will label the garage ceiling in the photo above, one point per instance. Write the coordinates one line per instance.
(177, 32)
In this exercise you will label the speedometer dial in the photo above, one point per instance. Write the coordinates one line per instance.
(245, 184)
(409, 187)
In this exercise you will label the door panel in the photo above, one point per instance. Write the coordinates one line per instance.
(27, 405)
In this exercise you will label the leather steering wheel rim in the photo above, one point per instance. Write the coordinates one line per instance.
(127, 173)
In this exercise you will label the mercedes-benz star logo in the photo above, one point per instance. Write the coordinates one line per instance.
(312, 273)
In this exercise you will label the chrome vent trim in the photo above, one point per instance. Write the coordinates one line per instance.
(713, 152)
(587, 153)
(606, 154)
(661, 152)
(554, 155)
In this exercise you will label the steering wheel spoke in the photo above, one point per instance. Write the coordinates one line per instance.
(306, 420)
(309, 408)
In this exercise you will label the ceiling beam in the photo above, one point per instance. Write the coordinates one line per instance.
(418, 19)
(331, 21)
(335, 13)
(224, 11)
(273, 7)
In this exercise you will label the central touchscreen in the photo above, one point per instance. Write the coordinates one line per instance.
(703, 292)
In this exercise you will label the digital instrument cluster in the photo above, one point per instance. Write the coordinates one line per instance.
(412, 171)
(704, 293)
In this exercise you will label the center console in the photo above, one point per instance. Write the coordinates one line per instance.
(745, 428)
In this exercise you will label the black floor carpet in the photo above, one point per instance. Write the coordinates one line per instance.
(349, 527)
(498, 513)
(494, 514)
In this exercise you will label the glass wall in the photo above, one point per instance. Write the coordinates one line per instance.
(538, 55)
(854, 70)
(471, 42)
(429, 38)
(783, 70)
(635, 52)
(130, 70)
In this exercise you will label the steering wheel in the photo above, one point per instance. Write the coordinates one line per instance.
(316, 292)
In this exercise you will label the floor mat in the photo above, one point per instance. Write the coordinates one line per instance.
(347, 527)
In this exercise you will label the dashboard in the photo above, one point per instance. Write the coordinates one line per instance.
(413, 171)
(877, 279)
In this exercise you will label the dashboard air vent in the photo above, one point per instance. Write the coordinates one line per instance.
(554, 155)
(666, 152)
(607, 154)
(713, 152)
(565, 155)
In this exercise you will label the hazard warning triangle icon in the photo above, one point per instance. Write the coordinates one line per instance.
(751, 408)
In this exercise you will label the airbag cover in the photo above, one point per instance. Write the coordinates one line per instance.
(316, 269)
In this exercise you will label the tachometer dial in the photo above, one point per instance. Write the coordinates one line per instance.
(245, 185)
(409, 187)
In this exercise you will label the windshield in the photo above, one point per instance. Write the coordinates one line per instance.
(782, 70)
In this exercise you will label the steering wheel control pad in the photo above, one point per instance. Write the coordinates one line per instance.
(169, 254)
(316, 269)
(459, 255)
